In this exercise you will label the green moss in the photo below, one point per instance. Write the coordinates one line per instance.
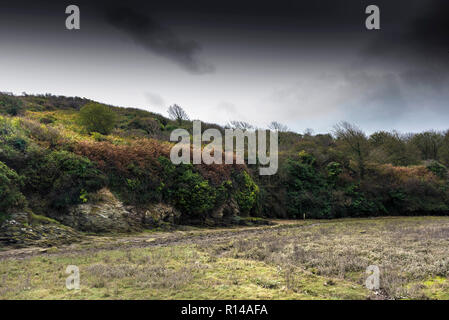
(38, 219)
(436, 288)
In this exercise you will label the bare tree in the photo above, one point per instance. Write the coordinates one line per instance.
(276, 126)
(177, 113)
(308, 132)
(240, 125)
(428, 143)
(355, 139)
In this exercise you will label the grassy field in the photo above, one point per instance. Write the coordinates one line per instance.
(292, 260)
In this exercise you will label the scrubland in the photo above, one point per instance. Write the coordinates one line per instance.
(312, 259)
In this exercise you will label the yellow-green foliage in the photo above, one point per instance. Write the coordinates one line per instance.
(97, 117)
(247, 192)
(318, 175)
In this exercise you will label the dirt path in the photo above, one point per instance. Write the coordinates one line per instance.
(99, 243)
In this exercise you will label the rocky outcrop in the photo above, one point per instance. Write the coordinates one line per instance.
(227, 210)
(158, 214)
(25, 229)
(107, 214)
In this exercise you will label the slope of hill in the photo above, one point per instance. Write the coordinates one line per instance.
(53, 166)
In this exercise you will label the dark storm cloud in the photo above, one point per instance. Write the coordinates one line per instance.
(431, 29)
(417, 42)
(158, 39)
(297, 61)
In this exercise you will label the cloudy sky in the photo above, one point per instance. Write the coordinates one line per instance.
(307, 64)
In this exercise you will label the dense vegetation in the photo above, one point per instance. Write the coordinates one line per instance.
(57, 151)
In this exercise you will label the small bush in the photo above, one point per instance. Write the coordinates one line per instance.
(188, 190)
(246, 193)
(62, 177)
(308, 191)
(97, 117)
(10, 105)
(147, 124)
(10, 195)
(437, 168)
(47, 119)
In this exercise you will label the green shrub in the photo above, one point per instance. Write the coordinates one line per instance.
(40, 132)
(47, 119)
(98, 136)
(363, 203)
(10, 195)
(307, 189)
(10, 105)
(74, 176)
(246, 192)
(13, 143)
(437, 168)
(188, 190)
(333, 171)
(62, 177)
(194, 195)
(97, 117)
(139, 185)
(146, 124)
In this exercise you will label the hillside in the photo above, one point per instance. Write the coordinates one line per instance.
(60, 177)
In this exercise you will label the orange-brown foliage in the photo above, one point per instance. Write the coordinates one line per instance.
(143, 153)
(406, 174)
(218, 173)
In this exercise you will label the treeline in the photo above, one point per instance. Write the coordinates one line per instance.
(56, 152)
(348, 173)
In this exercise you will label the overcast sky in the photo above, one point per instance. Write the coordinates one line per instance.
(307, 64)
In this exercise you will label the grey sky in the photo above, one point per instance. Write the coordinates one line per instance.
(308, 66)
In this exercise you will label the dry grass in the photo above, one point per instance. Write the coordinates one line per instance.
(322, 261)
(407, 250)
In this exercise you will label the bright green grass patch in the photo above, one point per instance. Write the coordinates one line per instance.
(437, 288)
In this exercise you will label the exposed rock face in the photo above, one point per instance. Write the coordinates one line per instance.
(106, 215)
(24, 229)
(228, 209)
(159, 213)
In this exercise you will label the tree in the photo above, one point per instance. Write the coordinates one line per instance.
(357, 142)
(276, 126)
(392, 147)
(307, 189)
(10, 104)
(147, 124)
(10, 195)
(177, 113)
(428, 143)
(97, 117)
(444, 150)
